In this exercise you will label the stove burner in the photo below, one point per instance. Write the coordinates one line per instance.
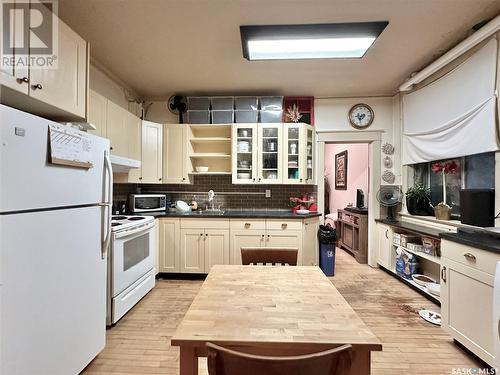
(133, 218)
(118, 217)
(115, 224)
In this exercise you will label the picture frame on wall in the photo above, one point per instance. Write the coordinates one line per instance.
(341, 170)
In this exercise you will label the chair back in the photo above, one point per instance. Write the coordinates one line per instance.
(223, 361)
(275, 256)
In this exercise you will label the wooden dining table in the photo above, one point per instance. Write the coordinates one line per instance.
(271, 310)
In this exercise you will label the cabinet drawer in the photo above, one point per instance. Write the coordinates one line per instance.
(249, 224)
(204, 223)
(476, 258)
(284, 224)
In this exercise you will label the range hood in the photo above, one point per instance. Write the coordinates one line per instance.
(123, 165)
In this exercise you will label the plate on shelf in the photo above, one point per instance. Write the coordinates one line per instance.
(434, 289)
(431, 316)
(422, 280)
(303, 212)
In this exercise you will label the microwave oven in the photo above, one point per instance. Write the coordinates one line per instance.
(147, 202)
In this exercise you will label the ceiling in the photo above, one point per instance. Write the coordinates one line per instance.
(191, 47)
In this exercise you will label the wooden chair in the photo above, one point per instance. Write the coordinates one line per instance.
(222, 361)
(266, 255)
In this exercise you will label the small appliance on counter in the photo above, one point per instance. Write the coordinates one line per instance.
(147, 202)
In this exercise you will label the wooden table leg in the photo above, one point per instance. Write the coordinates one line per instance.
(188, 361)
(361, 362)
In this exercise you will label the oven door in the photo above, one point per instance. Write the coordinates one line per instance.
(132, 256)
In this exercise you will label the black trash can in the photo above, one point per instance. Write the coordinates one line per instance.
(327, 237)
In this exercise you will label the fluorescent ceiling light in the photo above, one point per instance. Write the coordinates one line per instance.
(308, 48)
(320, 41)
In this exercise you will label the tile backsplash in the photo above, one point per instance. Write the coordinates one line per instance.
(227, 195)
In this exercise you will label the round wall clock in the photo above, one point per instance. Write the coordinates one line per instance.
(361, 116)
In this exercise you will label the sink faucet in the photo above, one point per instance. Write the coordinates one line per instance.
(211, 196)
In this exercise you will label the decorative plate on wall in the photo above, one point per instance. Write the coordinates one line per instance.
(388, 177)
(388, 149)
(388, 162)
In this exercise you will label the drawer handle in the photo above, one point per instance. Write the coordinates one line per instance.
(284, 226)
(443, 274)
(247, 225)
(470, 257)
(37, 87)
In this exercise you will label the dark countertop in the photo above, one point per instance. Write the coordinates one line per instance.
(419, 229)
(481, 239)
(264, 214)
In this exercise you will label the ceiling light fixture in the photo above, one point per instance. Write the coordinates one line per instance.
(318, 41)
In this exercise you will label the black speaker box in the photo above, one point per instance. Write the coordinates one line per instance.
(477, 207)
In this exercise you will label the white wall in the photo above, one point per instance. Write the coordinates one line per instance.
(158, 112)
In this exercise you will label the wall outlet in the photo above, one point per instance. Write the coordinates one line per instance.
(268, 193)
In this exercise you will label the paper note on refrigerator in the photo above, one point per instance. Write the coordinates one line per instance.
(69, 147)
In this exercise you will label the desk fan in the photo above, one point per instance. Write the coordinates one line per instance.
(390, 196)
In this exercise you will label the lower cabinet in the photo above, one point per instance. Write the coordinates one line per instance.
(170, 244)
(194, 245)
(467, 279)
(384, 234)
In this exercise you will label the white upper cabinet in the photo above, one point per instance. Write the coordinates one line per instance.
(16, 78)
(98, 107)
(152, 154)
(244, 158)
(66, 86)
(116, 129)
(59, 92)
(269, 154)
(273, 154)
(175, 154)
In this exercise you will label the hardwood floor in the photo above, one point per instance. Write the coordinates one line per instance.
(140, 342)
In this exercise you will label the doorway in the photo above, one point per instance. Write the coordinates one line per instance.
(371, 140)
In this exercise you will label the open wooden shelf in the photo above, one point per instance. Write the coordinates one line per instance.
(420, 254)
(210, 140)
(210, 155)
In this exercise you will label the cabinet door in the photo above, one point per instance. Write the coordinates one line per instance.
(384, 253)
(169, 230)
(294, 154)
(192, 251)
(244, 161)
(66, 86)
(174, 154)
(270, 157)
(285, 239)
(216, 248)
(152, 140)
(467, 307)
(310, 249)
(134, 145)
(16, 78)
(98, 105)
(244, 238)
(309, 165)
(116, 129)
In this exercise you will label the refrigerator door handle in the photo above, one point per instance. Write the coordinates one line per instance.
(107, 205)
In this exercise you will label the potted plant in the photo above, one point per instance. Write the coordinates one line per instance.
(442, 210)
(418, 200)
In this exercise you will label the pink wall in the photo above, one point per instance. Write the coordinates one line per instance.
(357, 173)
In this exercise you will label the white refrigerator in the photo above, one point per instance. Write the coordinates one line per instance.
(54, 235)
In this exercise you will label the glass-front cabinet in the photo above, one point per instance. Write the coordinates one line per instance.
(244, 153)
(273, 154)
(270, 153)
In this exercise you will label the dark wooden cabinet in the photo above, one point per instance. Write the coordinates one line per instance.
(354, 234)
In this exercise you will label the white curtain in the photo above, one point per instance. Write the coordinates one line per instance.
(455, 115)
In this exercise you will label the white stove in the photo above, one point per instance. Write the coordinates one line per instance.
(131, 263)
(122, 222)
